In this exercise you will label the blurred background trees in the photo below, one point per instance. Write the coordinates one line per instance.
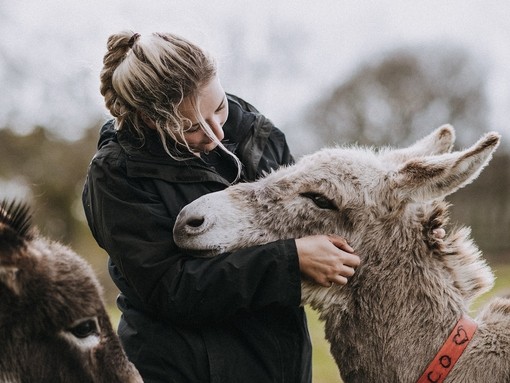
(397, 98)
(48, 173)
(393, 99)
(401, 96)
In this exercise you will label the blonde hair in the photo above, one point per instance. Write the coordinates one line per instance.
(151, 77)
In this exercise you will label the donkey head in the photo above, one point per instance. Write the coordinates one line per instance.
(53, 324)
(336, 190)
(375, 199)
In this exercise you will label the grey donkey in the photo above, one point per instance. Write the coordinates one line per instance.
(53, 323)
(396, 312)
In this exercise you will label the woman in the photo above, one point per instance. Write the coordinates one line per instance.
(177, 136)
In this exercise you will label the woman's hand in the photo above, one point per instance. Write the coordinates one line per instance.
(326, 259)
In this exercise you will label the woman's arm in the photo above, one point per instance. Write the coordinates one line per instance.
(134, 223)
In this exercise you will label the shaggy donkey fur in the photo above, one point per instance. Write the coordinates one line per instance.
(392, 317)
(53, 324)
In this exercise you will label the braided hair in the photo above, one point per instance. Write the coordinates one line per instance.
(150, 77)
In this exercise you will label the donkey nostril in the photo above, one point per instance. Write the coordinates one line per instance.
(195, 221)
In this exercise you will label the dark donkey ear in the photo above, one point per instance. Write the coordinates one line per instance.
(9, 278)
(15, 229)
(432, 177)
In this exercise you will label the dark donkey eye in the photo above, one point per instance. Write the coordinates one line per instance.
(85, 328)
(321, 201)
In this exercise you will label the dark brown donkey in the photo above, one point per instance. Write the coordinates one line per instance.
(53, 323)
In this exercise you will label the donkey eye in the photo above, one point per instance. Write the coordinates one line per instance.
(85, 328)
(320, 201)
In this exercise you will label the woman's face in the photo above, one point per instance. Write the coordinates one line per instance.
(213, 106)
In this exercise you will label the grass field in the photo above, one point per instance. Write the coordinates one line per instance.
(325, 369)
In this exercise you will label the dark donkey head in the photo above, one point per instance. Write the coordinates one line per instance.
(53, 323)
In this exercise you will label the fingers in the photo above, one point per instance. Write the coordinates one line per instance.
(348, 257)
(340, 275)
(341, 243)
(338, 280)
(326, 260)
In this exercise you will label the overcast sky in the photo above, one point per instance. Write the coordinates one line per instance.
(51, 51)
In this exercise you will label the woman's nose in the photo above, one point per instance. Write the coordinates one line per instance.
(216, 125)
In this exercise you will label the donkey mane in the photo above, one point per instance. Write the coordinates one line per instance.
(53, 323)
(15, 217)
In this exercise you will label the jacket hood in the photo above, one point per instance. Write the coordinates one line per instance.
(107, 134)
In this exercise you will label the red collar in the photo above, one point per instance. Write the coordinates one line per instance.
(452, 349)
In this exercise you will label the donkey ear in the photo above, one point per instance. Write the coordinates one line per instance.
(427, 178)
(438, 142)
(9, 278)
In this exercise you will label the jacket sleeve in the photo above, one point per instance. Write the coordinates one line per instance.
(133, 220)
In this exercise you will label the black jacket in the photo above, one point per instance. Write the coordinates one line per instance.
(231, 318)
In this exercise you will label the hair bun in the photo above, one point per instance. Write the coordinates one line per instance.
(133, 39)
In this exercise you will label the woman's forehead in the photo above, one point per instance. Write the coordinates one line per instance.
(209, 99)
